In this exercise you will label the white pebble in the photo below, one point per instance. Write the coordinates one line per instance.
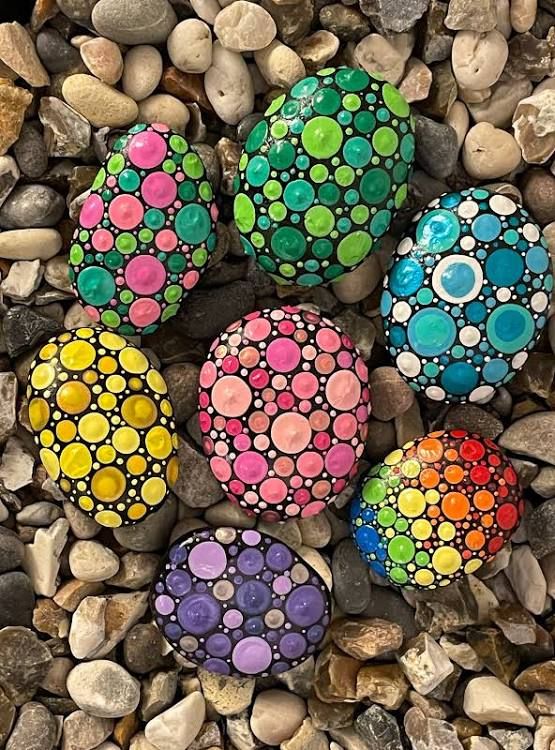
(280, 65)
(478, 59)
(244, 27)
(228, 85)
(177, 727)
(190, 46)
(164, 108)
(92, 561)
(489, 152)
(142, 71)
(104, 689)
(206, 9)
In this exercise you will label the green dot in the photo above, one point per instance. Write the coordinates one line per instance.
(258, 171)
(126, 243)
(129, 180)
(345, 176)
(179, 144)
(322, 137)
(424, 296)
(193, 224)
(281, 155)
(287, 270)
(386, 517)
(401, 549)
(360, 214)
(319, 221)
(322, 248)
(395, 101)
(169, 312)
(116, 163)
(380, 223)
(374, 491)
(173, 293)
(257, 136)
(99, 179)
(192, 166)
(267, 263)
(176, 262)
(275, 105)
(398, 575)
(257, 239)
(277, 211)
(187, 191)
(84, 235)
(401, 524)
(243, 211)
(96, 285)
(357, 152)
(205, 191)
(353, 248)
(113, 260)
(352, 79)
(385, 141)
(110, 318)
(76, 254)
(272, 190)
(319, 173)
(401, 195)
(126, 296)
(169, 166)
(326, 102)
(199, 257)
(154, 218)
(351, 102)
(146, 235)
(329, 194)
(422, 558)
(375, 186)
(288, 243)
(279, 129)
(365, 122)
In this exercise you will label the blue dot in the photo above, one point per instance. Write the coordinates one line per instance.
(504, 267)
(397, 336)
(386, 303)
(459, 378)
(486, 227)
(495, 370)
(367, 538)
(458, 279)
(378, 568)
(431, 332)
(406, 277)
(537, 259)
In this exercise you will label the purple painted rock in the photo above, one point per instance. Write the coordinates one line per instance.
(238, 602)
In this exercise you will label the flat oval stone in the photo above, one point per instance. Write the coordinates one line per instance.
(238, 602)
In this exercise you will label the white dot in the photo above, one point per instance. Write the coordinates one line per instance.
(482, 394)
(409, 364)
(503, 294)
(435, 393)
(531, 232)
(539, 301)
(468, 209)
(519, 359)
(401, 311)
(469, 336)
(502, 205)
(468, 242)
(405, 246)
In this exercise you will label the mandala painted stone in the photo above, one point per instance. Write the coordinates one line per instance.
(145, 232)
(104, 423)
(283, 403)
(322, 175)
(436, 509)
(239, 602)
(467, 295)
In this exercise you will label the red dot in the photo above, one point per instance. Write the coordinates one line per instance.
(495, 544)
(480, 475)
(472, 450)
(510, 475)
(507, 516)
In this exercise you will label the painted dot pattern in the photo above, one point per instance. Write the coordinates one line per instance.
(145, 232)
(102, 418)
(239, 603)
(467, 295)
(283, 407)
(436, 509)
(322, 175)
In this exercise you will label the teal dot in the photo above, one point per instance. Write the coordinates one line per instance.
(352, 79)
(193, 224)
(154, 218)
(365, 122)
(298, 195)
(380, 223)
(258, 171)
(96, 286)
(281, 155)
(322, 248)
(309, 279)
(329, 194)
(326, 102)
(257, 136)
(113, 259)
(129, 180)
(187, 191)
(305, 87)
(288, 243)
(334, 271)
(375, 186)
(357, 152)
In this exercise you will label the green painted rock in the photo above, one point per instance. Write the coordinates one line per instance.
(322, 175)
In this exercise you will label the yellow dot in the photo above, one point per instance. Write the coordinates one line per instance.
(175, 440)
(390, 533)
(394, 457)
(85, 333)
(133, 360)
(136, 384)
(47, 438)
(106, 454)
(136, 511)
(432, 496)
(446, 560)
(166, 408)
(81, 486)
(108, 484)
(472, 566)
(77, 355)
(63, 337)
(172, 472)
(156, 381)
(90, 377)
(108, 518)
(39, 413)
(139, 411)
(65, 486)
(115, 383)
(50, 462)
(73, 397)
(424, 577)
(86, 503)
(48, 351)
(154, 491)
(42, 376)
(446, 531)
(75, 460)
(411, 502)
(93, 427)
(136, 465)
(66, 430)
(411, 468)
(421, 529)
(126, 440)
(112, 341)
(159, 442)
(107, 365)
(107, 401)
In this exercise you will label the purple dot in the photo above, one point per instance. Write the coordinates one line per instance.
(208, 560)
(253, 597)
(164, 604)
(198, 613)
(272, 636)
(218, 645)
(178, 583)
(305, 605)
(278, 557)
(250, 561)
(282, 585)
(178, 553)
(280, 666)
(267, 576)
(251, 537)
(233, 618)
(292, 645)
(254, 626)
(216, 665)
(315, 634)
(252, 655)
(172, 631)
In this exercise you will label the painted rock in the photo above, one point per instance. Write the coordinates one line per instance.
(145, 232)
(467, 295)
(239, 602)
(284, 402)
(104, 423)
(322, 174)
(436, 509)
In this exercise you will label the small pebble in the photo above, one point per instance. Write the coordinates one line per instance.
(100, 104)
(280, 65)
(103, 689)
(142, 71)
(127, 22)
(190, 46)
(228, 85)
(176, 727)
(92, 561)
(489, 152)
(103, 58)
(244, 27)
(164, 108)
(276, 715)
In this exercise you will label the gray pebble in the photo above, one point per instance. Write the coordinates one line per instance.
(55, 53)
(390, 605)
(129, 22)
(11, 550)
(379, 728)
(84, 731)
(18, 599)
(151, 534)
(540, 525)
(210, 311)
(436, 147)
(24, 661)
(391, 15)
(77, 10)
(196, 486)
(182, 381)
(142, 649)
(30, 152)
(392, 396)
(474, 419)
(32, 206)
(347, 23)
(35, 729)
(23, 328)
(351, 584)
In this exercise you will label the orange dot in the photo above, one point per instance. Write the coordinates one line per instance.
(487, 520)
(454, 474)
(451, 454)
(475, 540)
(455, 505)
(429, 478)
(483, 500)
(430, 450)
(443, 488)
(433, 511)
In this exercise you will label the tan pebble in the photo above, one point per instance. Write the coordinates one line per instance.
(279, 64)
(190, 46)
(355, 286)
(244, 27)
(79, 39)
(473, 96)
(206, 9)
(534, 126)
(499, 108)
(376, 54)
(276, 716)
(228, 85)
(18, 52)
(142, 71)
(415, 86)
(164, 108)
(102, 105)
(103, 58)
(523, 14)
(318, 48)
(403, 43)
(503, 13)
(478, 59)
(459, 119)
(13, 103)
(489, 152)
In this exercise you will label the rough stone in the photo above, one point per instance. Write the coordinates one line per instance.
(13, 103)
(379, 728)
(527, 579)
(425, 663)
(151, 534)
(426, 733)
(366, 638)
(335, 676)
(17, 51)
(157, 694)
(35, 729)
(84, 732)
(42, 557)
(476, 15)
(391, 394)
(32, 206)
(346, 22)
(18, 599)
(537, 677)
(104, 689)
(382, 683)
(436, 147)
(375, 53)
(243, 27)
(177, 727)
(91, 561)
(226, 695)
(352, 588)
(24, 662)
(487, 699)
(495, 651)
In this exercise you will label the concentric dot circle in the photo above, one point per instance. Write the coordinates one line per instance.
(239, 603)
(104, 424)
(283, 407)
(145, 232)
(436, 509)
(467, 295)
(322, 175)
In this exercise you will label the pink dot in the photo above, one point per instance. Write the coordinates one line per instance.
(231, 396)
(310, 464)
(343, 390)
(273, 490)
(283, 355)
(203, 400)
(291, 432)
(126, 211)
(204, 421)
(257, 330)
(242, 442)
(340, 460)
(322, 441)
(302, 496)
(259, 378)
(102, 240)
(145, 274)
(282, 585)
(159, 189)
(262, 442)
(233, 427)
(361, 370)
(92, 312)
(345, 426)
(214, 212)
(146, 150)
(91, 211)
(304, 385)
(190, 279)
(237, 487)
(144, 311)
(285, 400)
(160, 127)
(166, 240)
(286, 327)
(220, 468)
(230, 364)
(312, 509)
(208, 374)
(345, 359)
(250, 467)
